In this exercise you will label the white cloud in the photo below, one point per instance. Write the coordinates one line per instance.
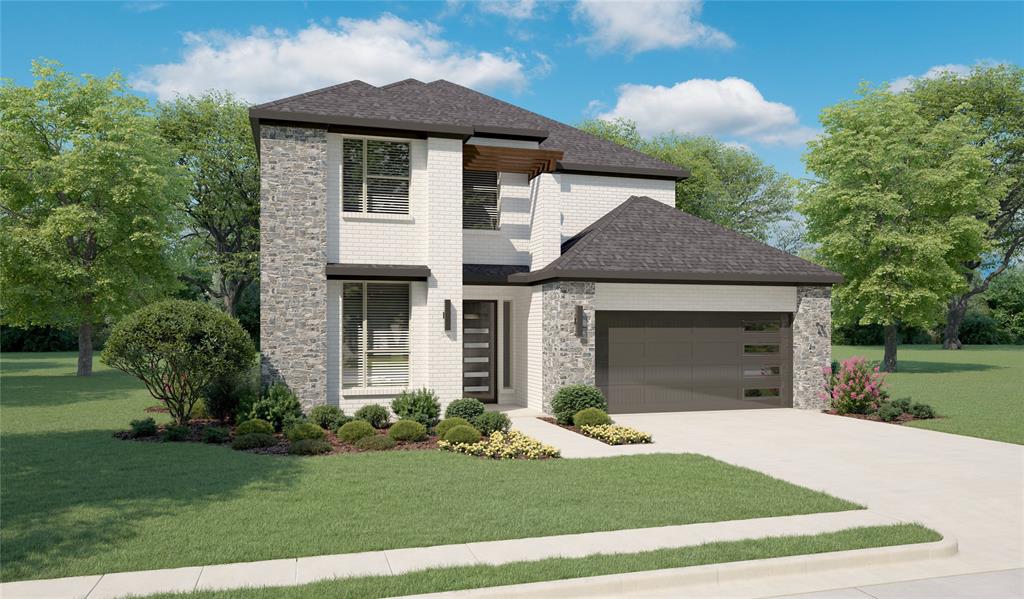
(512, 9)
(730, 107)
(268, 64)
(904, 83)
(641, 26)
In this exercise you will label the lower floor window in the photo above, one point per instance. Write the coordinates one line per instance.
(375, 334)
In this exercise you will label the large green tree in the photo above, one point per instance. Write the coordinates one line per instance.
(896, 207)
(87, 196)
(728, 185)
(992, 97)
(213, 140)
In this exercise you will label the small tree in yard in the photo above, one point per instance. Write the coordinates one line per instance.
(896, 209)
(177, 348)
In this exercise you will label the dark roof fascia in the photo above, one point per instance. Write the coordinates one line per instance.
(497, 132)
(674, 174)
(640, 276)
(349, 121)
(377, 272)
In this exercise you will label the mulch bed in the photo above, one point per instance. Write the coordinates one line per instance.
(338, 446)
(901, 419)
(569, 427)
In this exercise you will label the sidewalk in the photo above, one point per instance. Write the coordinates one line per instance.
(295, 571)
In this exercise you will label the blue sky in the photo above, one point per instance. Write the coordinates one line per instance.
(751, 73)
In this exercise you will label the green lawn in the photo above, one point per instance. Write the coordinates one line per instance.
(77, 501)
(469, 577)
(978, 391)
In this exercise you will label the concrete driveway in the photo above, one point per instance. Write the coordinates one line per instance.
(970, 488)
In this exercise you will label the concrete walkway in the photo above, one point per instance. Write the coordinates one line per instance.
(287, 572)
(972, 489)
(1005, 584)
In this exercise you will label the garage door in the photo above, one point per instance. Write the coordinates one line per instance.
(682, 361)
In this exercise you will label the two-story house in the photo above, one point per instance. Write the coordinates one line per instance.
(426, 235)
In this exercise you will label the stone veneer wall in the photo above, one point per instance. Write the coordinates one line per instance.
(293, 245)
(812, 345)
(567, 359)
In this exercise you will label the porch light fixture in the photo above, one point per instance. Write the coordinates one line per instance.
(579, 321)
(447, 315)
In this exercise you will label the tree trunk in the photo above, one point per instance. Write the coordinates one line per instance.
(954, 318)
(85, 349)
(231, 291)
(892, 339)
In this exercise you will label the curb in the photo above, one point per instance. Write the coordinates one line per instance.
(711, 575)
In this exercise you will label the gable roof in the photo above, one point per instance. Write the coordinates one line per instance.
(645, 240)
(442, 107)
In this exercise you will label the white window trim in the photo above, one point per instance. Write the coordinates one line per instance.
(366, 200)
(364, 389)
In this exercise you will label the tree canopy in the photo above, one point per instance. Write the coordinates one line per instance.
(992, 99)
(899, 204)
(728, 185)
(87, 195)
(213, 141)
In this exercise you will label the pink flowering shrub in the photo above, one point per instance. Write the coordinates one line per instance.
(856, 388)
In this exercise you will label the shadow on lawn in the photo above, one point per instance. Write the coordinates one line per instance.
(29, 390)
(77, 493)
(925, 367)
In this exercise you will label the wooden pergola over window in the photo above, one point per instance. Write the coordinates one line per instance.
(509, 160)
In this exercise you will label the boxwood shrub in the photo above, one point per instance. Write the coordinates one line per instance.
(490, 422)
(407, 430)
(177, 432)
(375, 414)
(448, 423)
(889, 412)
(304, 431)
(420, 405)
(327, 417)
(277, 405)
(591, 417)
(922, 411)
(216, 434)
(310, 447)
(462, 434)
(350, 432)
(375, 443)
(467, 408)
(253, 441)
(145, 427)
(254, 425)
(573, 398)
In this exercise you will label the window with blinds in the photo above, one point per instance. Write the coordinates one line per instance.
(479, 200)
(375, 335)
(375, 176)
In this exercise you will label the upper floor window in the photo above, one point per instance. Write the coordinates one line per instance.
(479, 200)
(375, 176)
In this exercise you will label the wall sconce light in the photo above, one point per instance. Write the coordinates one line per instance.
(447, 315)
(579, 321)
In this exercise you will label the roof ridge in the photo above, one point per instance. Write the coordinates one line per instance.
(402, 82)
(313, 93)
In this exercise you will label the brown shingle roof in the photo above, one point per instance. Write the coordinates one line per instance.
(444, 107)
(644, 239)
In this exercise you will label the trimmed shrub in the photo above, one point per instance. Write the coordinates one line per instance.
(467, 408)
(613, 434)
(446, 425)
(254, 441)
(177, 432)
(351, 432)
(376, 415)
(573, 398)
(223, 397)
(922, 411)
(303, 431)
(216, 434)
(591, 417)
(462, 434)
(420, 405)
(902, 404)
(175, 340)
(310, 446)
(855, 389)
(489, 422)
(145, 427)
(254, 425)
(326, 417)
(407, 430)
(889, 412)
(375, 443)
(276, 404)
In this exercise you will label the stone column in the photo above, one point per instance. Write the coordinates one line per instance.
(812, 344)
(293, 246)
(568, 358)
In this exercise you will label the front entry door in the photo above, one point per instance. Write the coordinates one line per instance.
(479, 350)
